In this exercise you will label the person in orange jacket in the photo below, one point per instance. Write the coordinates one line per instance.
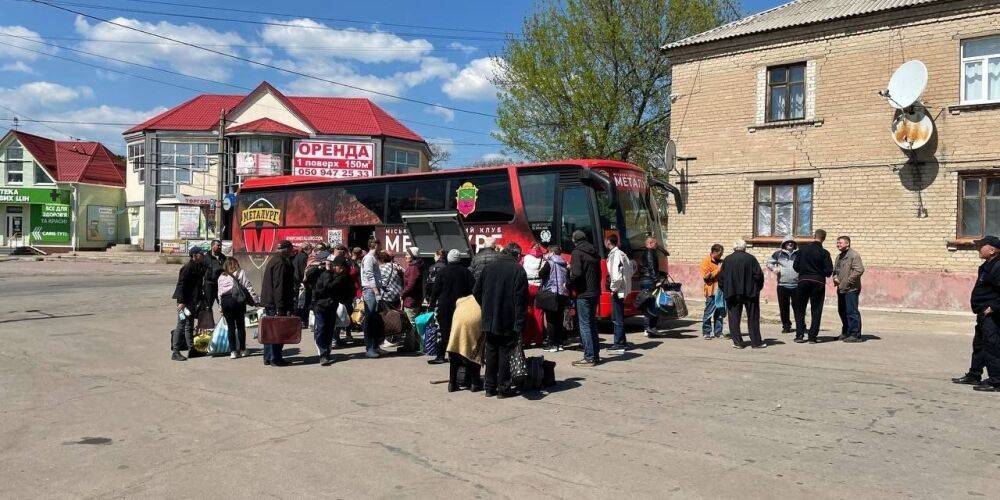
(711, 267)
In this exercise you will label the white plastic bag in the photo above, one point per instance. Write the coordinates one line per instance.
(343, 319)
(219, 346)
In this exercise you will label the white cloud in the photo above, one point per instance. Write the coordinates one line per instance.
(16, 53)
(305, 36)
(42, 95)
(473, 82)
(495, 157)
(444, 143)
(17, 67)
(343, 73)
(468, 49)
(109, 135)
(430, 68)
(445, 113)
(187, 60)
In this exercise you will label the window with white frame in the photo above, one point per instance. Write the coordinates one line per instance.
(178, 159)
(401, 161)
(137, 158)
(981, 70)
(41, 176)
(14, 161)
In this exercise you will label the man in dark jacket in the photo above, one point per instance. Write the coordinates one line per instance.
(486, 256)
(742, 280)
(649, 273)
(814, 266)
(300, 261)
(277, 295)
(431, 278)
(190, 296)
(502, 292)
(454, 282)
(985, 302)
(585, 278)
(213, 269)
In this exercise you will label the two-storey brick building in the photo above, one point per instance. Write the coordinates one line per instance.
(782, 111)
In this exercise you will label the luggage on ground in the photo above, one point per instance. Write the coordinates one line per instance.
(430, 336)
(202, 340)
(280, 330)
(518, 364)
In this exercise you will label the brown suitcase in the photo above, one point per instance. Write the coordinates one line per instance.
(280, 330)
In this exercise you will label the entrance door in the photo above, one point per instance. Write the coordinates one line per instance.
(14, 227)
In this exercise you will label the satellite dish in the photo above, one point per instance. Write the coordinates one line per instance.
(670, 154)
(913, 130)
(907, 84)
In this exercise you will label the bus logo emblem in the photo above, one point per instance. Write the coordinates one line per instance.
(465, 198)
(259, 223)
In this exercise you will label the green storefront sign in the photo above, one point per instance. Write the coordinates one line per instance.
(50, 223)
(34, 195)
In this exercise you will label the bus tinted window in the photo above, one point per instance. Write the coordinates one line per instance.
(576, 216)
(492, 198)
(310, 207)
(359, 205)
(638, 219)
(409, 196)
(538, 191)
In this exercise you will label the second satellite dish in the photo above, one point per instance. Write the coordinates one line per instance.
(912, 131)
(907, 84)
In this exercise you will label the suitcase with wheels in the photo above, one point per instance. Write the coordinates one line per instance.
(280, 330)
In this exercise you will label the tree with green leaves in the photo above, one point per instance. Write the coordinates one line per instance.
(587, 79)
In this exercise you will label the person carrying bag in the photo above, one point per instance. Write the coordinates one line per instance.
(236, 294)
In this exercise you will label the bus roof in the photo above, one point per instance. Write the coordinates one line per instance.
(295, 180)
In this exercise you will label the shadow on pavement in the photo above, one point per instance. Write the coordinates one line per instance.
(562, 385)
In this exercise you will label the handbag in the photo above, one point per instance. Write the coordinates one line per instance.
(547, 301)
(642, 299)
(518, 363)
(343, 319)
(206, 320)
(220, 339)
(280, 330)
(678, 303)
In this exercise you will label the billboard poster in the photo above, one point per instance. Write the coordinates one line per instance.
(258, 164)
(188, 222)
(334, 159)
(102, 223)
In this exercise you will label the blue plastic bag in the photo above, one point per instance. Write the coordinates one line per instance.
(720, 299)
(219, 346)
(430, 337)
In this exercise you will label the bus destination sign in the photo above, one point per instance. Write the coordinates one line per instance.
(334, 159)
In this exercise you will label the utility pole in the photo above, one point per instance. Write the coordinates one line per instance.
(222, 174)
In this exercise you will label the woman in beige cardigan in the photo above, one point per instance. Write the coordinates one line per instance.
(465, 345)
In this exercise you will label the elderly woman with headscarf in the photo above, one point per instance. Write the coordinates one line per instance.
(465, 345)
(454, 282)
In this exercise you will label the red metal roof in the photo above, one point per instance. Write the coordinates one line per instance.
(75, 161)
(327, 115)
(266, 126)
(293, 180)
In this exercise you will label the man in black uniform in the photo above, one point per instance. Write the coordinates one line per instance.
(190, 296)
(277, 295)
(985, 303)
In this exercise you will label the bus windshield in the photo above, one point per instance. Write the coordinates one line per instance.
(636, 216)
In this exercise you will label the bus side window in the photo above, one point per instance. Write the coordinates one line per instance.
(576, 215)
(409, 196)
(538, 192)
(493, 201)
(359, 205)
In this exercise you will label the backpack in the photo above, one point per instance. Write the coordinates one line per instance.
(431, 278)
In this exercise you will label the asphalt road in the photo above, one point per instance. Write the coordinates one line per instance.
(91, 406)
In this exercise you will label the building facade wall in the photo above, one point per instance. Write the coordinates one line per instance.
(88, 195)
(902, 217)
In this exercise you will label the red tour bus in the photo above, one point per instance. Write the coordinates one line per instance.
(530, 203)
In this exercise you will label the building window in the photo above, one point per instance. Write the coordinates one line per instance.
(179, 159)
(14, 160)
(783, 209)
(786, 92)
(981, 70)
(41, 176)
(401, 161)
(979, 212)
(137, 159)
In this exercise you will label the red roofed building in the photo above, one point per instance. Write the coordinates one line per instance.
(322, 136)
(60, 195)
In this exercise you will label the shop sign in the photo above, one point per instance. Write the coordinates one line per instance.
(34, 195)
(334, 159)
(50, 223)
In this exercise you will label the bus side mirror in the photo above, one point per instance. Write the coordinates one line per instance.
(670, 188)
(595, 180)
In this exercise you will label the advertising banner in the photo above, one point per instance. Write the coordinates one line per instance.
(258, 164)
(102, 223)
(188, 222)
(50, 224)
(334, 159)
(34, 195)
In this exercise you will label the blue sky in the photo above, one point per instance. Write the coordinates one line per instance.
(358, 43)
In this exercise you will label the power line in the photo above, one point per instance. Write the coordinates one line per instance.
(340, 20)
(264, 23)
(259, 45)
(26, 118)
(217, 82)
(264, 65)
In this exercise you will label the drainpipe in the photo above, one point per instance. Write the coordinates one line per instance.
(72, 216)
